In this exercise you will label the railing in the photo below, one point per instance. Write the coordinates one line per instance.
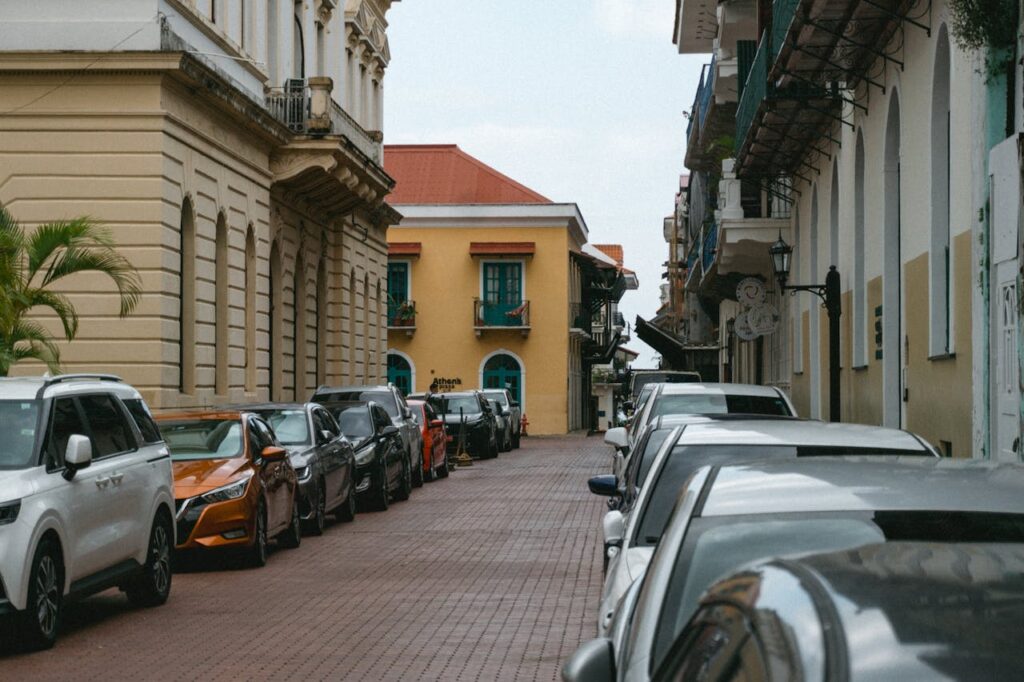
(709, 246)
(783, 12)
(343, 124)
(290, 104)
(488, 314)
(754, 90)
(402, 314)
(579, 316)
(702, 100)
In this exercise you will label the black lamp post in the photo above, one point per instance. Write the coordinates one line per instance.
(782, 254)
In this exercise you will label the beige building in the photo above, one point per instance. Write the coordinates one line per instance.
(234, 150)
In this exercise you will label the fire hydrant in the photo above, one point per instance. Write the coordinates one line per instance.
(523, 423)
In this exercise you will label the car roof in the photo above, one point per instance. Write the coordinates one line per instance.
(834, 484)
(198, 414)
(669, 421)
(761, 431)
(705, 388)
(253, 407)
(32, 387)
(457, 394)
(341, 389)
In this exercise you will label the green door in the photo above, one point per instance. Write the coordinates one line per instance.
(399, 373)
(503, 371)
(503, 294)
(398, 288)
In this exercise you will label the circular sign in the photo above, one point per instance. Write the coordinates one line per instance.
(750, 291)
(742, 327)
(763, 319)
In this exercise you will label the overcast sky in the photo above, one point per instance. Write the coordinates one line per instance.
(580, 100)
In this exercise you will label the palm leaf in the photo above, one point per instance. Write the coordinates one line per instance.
(106, 261)
(63, 234)
(29, 340)
(59, 304)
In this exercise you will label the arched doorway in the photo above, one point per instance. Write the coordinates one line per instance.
(892, 274)
(504, 371)
(400, 372)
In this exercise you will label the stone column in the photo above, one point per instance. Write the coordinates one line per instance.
(729, 195)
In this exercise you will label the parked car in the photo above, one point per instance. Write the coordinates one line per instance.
(896, 611)
(435, 440)
(87, 499)
(382, 470)
(712, 398)
(323, 459)
(389, 398)
(632, 532)
(471, 408)
(729, 516)
(234, 487)
(503, 425)
(515, 411)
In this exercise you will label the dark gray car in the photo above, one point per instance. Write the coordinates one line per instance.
(513, 411)
(322, 457)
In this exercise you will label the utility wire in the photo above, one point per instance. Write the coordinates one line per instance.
(82, 70)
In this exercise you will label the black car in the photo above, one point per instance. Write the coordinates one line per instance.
(472, 409)
(323, 458)
(382, 468)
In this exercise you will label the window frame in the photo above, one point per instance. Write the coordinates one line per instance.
(126, 419)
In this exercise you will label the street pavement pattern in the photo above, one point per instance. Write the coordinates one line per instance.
(492, 574)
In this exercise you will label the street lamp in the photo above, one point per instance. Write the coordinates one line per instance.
(782, 254)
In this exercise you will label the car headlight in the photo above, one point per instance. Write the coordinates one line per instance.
(231, 491)
(303, 473)
(9, 512)
(364, 456)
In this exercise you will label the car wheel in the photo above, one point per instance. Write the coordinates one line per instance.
(347, 511)
(319, 520)
(42, 614)
(153, 584)
(292, 536)
(492, 449)
(417, 475)
(380, 498)
(515, 441)
(404, 485)
(428, 473)
(257, 556)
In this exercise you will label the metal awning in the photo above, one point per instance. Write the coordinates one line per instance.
(671, 349)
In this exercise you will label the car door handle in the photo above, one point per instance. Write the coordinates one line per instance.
(116, 478)
(103, 482)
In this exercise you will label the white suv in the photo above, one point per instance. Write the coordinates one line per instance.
(86, 498)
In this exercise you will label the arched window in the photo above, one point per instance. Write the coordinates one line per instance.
(276, 324)
(320, 315)
(815, 335)
(892, 271)
(400, 372)
(352, 327)
(502, 370)
(859, 285)
(221, 312)
(940, 338)
(298, 46)
(366, 328)
(795, 303)
(187, 300)
(250, 309)
(299, 330)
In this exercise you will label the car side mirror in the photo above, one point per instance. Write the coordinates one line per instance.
(613, 525)
(77, 455)
(618, 438)
(594, 661)
(435, 423)
(605, 484)
(389, 430)
(272, 453)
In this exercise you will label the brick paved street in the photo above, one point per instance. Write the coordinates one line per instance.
(493, 573)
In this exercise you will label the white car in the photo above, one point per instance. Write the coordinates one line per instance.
(632, 532)
(712, 398)
(86, 498)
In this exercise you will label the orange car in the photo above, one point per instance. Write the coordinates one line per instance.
(233, 484)
(435, 440)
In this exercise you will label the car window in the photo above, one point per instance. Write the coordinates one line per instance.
(67, 422)
(144, 420)
(718, 403)
(325, 422)
(380, 417)
(355, 423)
(266, 432)
(290, 425)
(110, 431)
(193, 439)
(646, 459)
(466, 404)
(19, 420)
(717, 645)
(499, 396)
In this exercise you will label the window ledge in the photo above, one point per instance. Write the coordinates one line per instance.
(942, 356)
(860, 368)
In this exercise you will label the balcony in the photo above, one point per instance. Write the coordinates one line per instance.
(402, 316)
(579, 320)
(711, 119)
(488, 315)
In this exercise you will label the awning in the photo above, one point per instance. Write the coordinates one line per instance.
(404, 248)
(502, 248)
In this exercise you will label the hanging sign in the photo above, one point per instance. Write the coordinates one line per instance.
(743, 328)
(750, 292)
(763, 319)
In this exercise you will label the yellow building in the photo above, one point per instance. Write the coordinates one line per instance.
(492, 285)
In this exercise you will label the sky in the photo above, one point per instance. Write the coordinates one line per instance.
(579, 100)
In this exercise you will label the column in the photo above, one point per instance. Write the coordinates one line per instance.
(308, 22)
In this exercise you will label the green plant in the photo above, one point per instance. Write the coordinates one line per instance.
(986, 24)
(32, 263)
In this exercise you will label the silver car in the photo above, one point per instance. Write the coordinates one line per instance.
(632, 532)
(729, 516)
(713, 398)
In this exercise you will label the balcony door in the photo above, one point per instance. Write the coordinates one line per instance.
(503, 293)
(398, 288)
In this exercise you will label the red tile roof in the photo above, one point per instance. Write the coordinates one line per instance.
(444, 174)
(405, 248)
(502, 248)
(613, 251)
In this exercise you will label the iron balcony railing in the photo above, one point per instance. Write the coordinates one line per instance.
(579, 316)
(343, 124)
(290, 104)
(709, 246)
(492, 314)
(402, 314)
(754, 91)
(702, 100)
(783, 12)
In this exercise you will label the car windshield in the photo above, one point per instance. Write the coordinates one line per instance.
(383, 398)
(643, 380)
(18, 423)
(355, 423)
(715, 547)
(497, 396)
(467, 404)
(290, 425)
(191, 439)
(718, 403)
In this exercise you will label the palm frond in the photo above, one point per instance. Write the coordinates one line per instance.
(31, 341)
(59, 304)
(81, 232)
(103, 260)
